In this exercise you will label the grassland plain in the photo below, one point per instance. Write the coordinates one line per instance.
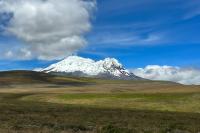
(84, 105)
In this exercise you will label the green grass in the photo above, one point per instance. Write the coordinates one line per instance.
(180, 102)
(33, 102)
(32, 116)
(147, 96)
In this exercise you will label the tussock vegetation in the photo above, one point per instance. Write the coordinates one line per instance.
(17, 115)
(85, 105)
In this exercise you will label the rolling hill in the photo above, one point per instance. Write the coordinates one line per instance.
(41, 102)
(32, 77)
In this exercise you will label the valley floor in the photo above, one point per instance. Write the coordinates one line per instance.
(102, 106)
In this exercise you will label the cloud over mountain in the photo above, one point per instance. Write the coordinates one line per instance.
(169, 73)
(50, 29)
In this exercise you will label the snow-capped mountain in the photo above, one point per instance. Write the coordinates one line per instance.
(78, 66)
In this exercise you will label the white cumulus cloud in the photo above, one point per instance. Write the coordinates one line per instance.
(169, 73)
(51, 29)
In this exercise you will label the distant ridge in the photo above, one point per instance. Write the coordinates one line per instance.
(108, 68)
(32, 77)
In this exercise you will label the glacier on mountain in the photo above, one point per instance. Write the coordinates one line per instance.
(89, 67)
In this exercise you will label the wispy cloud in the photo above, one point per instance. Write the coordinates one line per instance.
(192, 9)
(145, 22)
(108, 39)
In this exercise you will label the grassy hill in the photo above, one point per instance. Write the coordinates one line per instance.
(23, 77)
(32, 102)
(31, 77)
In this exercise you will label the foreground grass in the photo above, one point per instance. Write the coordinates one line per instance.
(176, 102)
(179, 102)
(32, 116)
(32, 102)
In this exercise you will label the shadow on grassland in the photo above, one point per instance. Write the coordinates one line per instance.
(7, 79)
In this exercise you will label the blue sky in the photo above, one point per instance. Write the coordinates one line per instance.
(138, 33)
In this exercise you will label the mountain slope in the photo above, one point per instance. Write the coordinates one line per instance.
(31, 77)
(108, 68)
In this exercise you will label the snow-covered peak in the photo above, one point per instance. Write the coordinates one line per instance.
(88, 66)
(77, 59)
(111, 63)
